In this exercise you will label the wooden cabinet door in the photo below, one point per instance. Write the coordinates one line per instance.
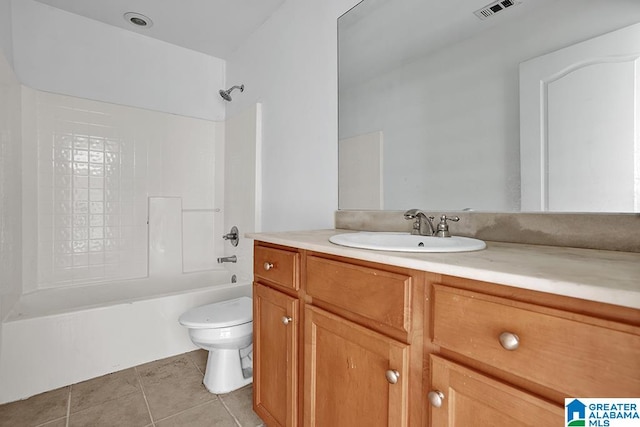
(345, 374)
(275, 346)
(472, 399)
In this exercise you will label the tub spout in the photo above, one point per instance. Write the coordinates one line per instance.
(231, 258)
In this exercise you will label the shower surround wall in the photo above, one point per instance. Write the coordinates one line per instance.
(97, 324)
(243, 189)
(89, 166)
(93, 168)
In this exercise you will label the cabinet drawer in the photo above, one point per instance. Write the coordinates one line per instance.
(574, 354)
(379, 295)
(277, 266)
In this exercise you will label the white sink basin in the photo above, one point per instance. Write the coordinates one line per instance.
(405, 242)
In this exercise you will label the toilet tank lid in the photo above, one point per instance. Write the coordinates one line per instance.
(221, 314)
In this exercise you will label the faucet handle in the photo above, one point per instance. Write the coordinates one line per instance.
(445, 218)
(232, 236)
(443, 227)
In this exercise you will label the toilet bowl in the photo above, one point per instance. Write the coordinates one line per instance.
(225, 329)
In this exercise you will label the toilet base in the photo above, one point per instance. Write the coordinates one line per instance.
(223, 373)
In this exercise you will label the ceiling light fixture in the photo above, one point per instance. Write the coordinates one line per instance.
(138, 19)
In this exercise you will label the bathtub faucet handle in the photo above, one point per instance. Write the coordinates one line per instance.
(232, 236)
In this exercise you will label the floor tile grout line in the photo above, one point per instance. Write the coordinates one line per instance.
(229, 411)
(49, 422)
(185, 410)
(195, 364)
(144, 396)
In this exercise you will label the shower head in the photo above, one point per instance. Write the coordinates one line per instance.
(226, 94)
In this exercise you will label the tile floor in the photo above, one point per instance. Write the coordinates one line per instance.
(167, 392)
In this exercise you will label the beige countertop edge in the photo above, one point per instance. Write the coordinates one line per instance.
(604, 276)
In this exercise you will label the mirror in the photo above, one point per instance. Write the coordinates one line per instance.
(429, 101)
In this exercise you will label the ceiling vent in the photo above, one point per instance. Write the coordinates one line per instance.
(495, 7)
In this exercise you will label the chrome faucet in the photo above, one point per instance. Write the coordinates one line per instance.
(423, 224)
(231, 258)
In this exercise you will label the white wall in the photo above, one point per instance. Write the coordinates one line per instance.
(6, 39)
(290, 66)
(451, 120)
(65, 53)
(10, 207)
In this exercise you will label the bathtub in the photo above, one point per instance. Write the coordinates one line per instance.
(56, 337)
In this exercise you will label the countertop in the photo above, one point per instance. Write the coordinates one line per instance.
(604, 276)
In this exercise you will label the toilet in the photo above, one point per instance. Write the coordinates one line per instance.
(225, 329)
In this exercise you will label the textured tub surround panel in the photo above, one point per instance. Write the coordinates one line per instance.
(181, 240)
(617, 232)
(437, 339)
(605, 276)
(94, 166)
(165, 236)
(199, 246)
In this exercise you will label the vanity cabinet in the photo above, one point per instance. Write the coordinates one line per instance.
(276, 332)
(357, 327)
(345, 342)
(512, 360)
(362, 344)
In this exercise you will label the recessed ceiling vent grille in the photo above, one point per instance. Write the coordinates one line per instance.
(495, 7)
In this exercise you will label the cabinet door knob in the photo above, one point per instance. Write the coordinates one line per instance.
(435, 398)
(286, 320)
(509, 341)
(268, 266)
(392, 376)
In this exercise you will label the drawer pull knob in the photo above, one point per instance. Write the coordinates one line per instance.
(268, 266)
(392, 376)
(435, 398)
(286, 320)
(509, 341)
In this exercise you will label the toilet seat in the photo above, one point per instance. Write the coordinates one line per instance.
(223, 314)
